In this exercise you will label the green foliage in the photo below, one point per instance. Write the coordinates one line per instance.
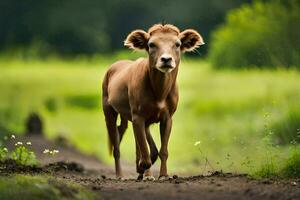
(291, 168)
(51, 105)
(84, 101)
(41, 187)
(287, 129)
(23, 156)
(10, 117)
(259, 35)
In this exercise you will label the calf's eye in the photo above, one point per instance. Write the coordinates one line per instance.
(177, 44)
(151, 45)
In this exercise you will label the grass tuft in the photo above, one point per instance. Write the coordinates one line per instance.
(291, 168)
(287, 129)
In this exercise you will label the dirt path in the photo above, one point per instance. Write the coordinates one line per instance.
(217, 186)
(90, 172)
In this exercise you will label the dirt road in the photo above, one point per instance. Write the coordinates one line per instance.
(91, 173)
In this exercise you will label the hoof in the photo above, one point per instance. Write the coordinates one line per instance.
(140, 170)
(120, 178)
(140, 177)
(163, 178)
(148, 178)
(145, 165)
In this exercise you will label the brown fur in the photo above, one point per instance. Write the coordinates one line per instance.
(145, 92)
(163, 28)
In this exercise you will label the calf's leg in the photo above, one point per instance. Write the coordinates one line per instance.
(140, 138)
(122, 127)
(165, 130)
(153, 148)
(111, 124)
(137, 161)
(153, 154)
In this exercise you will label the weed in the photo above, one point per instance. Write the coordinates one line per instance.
(291, 168)
(207, 163)
(51, 152)
(268, 168)
(3, 153)
(230, 161)
(248, 163)
(23, 156)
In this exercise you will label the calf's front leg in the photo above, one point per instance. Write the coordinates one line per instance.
(165, 130)
(153, 156)
(141, 143)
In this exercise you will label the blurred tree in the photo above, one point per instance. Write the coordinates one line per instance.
(87, 27)
(262, 34)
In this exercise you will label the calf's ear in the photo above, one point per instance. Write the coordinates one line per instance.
(190, 40)
(137, 40)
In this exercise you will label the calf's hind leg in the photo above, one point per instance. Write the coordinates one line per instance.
(122, 127)
(114, 137)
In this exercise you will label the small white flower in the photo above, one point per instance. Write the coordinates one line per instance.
(46, 151)
(19, 143)
(55, 151)
(294, 183)
(197, 143)
(5, 150)
(13, 137)
(28, 143)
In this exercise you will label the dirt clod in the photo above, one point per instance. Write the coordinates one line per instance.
(58, 166)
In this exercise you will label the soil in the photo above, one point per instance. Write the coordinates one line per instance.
(71, 165)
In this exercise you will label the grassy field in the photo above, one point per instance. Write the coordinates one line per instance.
(41, 187)
(239, 120)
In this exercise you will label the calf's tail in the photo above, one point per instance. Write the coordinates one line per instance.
(104, 106)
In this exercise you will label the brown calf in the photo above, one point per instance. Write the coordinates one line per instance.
(145, 92)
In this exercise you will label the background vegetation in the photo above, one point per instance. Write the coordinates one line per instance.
(242, 112)
(70, 28)
(259, 35)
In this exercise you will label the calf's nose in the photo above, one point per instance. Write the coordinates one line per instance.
(165, 59)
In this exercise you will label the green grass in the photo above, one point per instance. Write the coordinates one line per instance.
(288, 128)
(225, 110)
(40, 187)
(291, 168)
(273, 167)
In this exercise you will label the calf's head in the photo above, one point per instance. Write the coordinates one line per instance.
(164, 44)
